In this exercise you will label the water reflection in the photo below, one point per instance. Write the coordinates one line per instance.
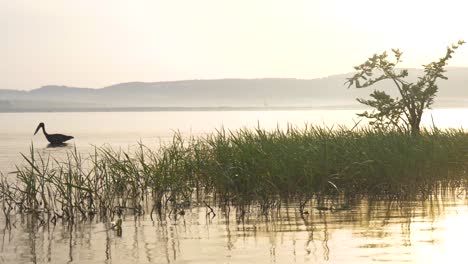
(61, 145)
(373, 231)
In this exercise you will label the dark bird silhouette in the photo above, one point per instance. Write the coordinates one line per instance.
(54, 139)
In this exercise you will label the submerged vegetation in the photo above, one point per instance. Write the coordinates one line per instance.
(240, 169)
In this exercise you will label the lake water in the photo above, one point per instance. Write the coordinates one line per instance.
(384, 232)
(410, 232)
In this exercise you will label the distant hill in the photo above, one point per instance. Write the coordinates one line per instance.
(329, 92)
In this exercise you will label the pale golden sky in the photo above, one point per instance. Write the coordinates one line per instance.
(96, 43)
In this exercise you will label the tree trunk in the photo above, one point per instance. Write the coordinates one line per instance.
(415, 122)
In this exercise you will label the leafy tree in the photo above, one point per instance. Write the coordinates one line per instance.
(404, 112)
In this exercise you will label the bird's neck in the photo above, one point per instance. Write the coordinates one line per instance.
(43, 130)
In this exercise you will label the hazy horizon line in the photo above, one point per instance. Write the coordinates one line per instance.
(207, 79)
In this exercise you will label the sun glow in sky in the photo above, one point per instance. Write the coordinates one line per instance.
(90, 43)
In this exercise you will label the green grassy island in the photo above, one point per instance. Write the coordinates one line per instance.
(241, 169)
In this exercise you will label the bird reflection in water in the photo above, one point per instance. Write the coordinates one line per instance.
(61, 145)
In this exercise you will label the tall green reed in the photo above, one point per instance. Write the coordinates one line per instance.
(241, 168)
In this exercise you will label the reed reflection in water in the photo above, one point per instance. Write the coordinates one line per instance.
(433, 231)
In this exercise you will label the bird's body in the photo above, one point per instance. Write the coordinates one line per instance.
(54, 139)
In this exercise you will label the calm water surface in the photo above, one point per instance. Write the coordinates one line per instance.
(385, 232)
(412, 232)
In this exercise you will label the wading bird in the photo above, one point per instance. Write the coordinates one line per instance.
(54, 139)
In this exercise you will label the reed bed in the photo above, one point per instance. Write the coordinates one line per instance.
(242, 168)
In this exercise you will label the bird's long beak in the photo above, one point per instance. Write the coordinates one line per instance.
(37, 129)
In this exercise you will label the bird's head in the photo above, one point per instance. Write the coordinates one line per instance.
(39, 127)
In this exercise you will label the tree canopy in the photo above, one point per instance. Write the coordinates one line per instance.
(404, 112)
